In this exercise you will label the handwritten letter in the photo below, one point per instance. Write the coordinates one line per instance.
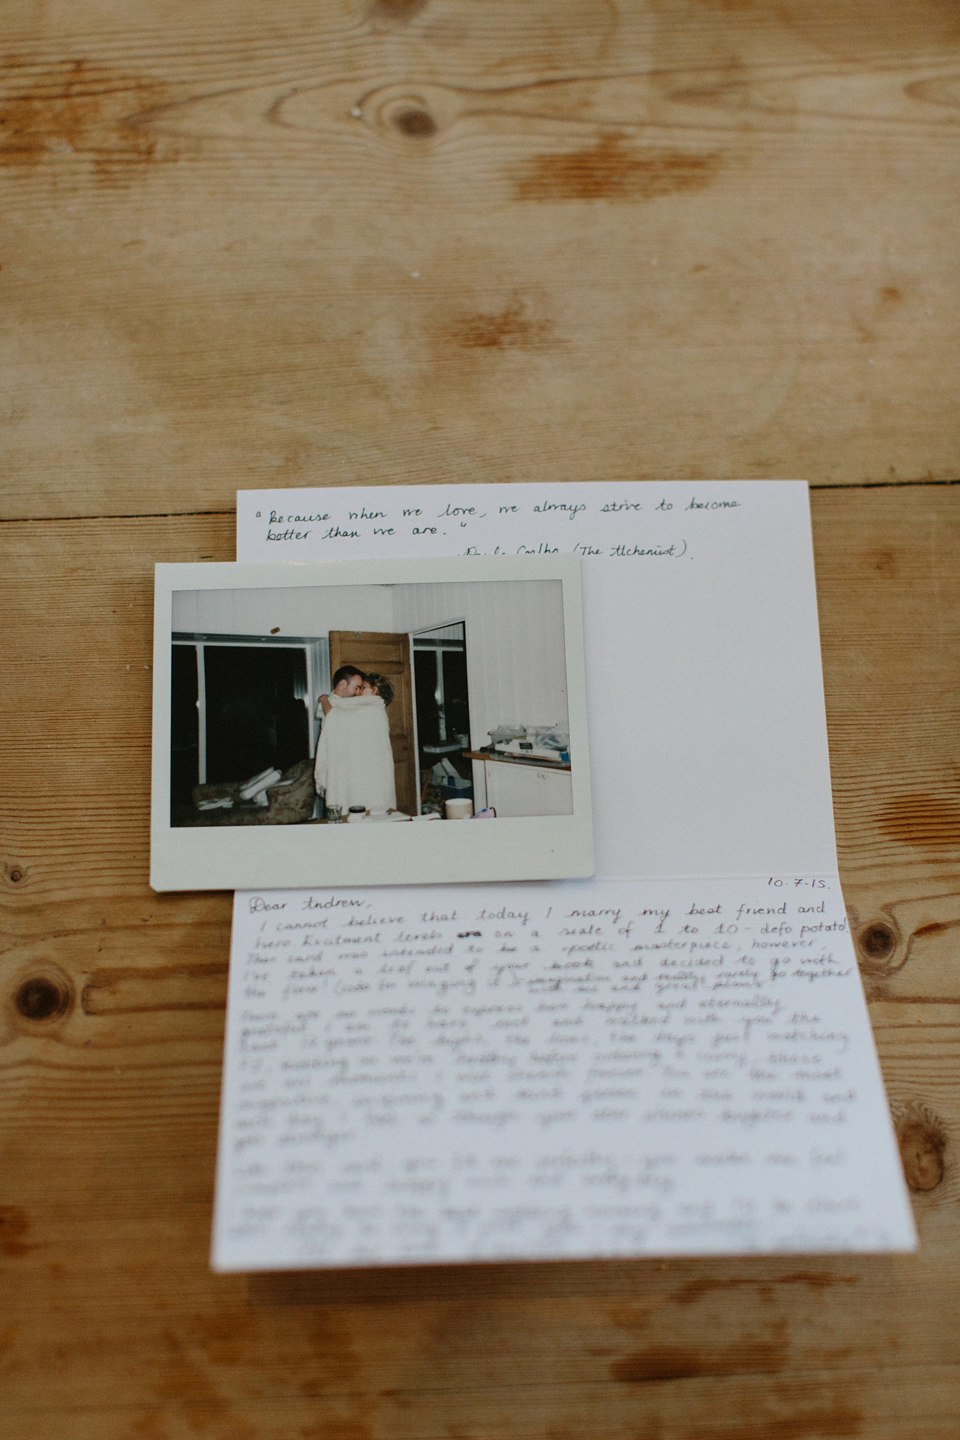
(566, 1070)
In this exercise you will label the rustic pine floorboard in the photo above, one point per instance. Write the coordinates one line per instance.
(417, 240)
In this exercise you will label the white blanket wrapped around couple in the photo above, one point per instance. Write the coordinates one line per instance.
(354, 764)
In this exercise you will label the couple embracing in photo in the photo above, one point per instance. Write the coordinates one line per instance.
(354, 762)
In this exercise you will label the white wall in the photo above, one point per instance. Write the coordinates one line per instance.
(515, 648)
(514, 633)
(309, 611)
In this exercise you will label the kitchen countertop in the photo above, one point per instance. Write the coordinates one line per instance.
(515, 759)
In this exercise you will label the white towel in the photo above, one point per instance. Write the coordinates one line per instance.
(354, 764)
(259, 783)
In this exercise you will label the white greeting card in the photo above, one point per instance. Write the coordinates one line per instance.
(708, 747)
(674, 1057)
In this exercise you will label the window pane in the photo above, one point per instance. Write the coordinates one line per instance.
(254, 719)
(184, 724)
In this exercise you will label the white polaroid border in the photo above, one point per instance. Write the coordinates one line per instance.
(541, 847)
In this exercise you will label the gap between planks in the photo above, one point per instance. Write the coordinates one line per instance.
(186, 514)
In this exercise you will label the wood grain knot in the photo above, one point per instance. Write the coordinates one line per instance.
(14, 1224)
(877, 943)
(16, 874)
(672, 1362)
(512, 328)
(922, 1141)
(417, 123)
(922, 820)
(42, 997)
(80, 108)
(613, 169)
(396, 12)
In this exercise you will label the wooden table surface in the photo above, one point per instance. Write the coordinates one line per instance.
(246, 244)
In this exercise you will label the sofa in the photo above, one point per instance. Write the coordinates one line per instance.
(289, 802)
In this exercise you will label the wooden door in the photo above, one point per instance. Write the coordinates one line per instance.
(387, 654)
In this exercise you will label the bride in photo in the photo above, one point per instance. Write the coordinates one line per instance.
(354, 762)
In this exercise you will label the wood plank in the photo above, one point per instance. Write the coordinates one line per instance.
(890, 628)
(887, 562)
(399, 241)
(78, 717)
(901, 1404)
(109, 1083)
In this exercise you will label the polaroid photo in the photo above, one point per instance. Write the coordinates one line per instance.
(383, 722)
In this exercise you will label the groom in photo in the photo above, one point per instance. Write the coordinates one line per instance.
(347, 681)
